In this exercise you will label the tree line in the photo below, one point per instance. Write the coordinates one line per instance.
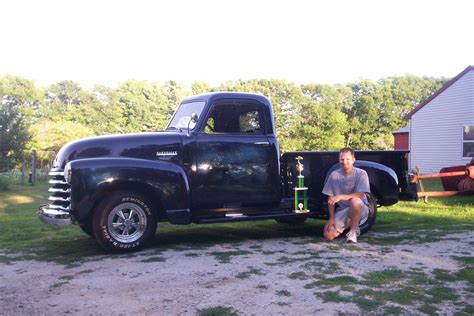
(308, 117)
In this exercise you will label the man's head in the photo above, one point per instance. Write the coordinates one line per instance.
(346, 159)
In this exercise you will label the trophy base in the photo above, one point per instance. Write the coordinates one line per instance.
(301, 211)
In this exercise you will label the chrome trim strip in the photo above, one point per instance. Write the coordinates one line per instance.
(56, 173)
(61, 199)
(59, 207)
(52, 181)
(55, 190)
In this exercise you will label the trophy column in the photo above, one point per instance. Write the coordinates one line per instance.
(300, 207)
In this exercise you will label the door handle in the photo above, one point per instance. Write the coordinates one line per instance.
(262, 143)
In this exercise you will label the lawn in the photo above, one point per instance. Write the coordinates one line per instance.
(22, 233)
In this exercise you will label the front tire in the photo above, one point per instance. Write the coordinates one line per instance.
(365, 226)
(124, 222)
(87, 228)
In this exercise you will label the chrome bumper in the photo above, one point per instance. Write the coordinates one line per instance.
(53, 217)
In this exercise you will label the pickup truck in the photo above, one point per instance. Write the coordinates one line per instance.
(218, 160)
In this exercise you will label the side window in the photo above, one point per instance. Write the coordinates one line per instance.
(250, 122)
(235, 117)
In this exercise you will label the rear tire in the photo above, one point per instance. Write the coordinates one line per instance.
(124, 222)
(365, 226)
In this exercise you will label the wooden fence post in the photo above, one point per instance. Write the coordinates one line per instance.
(33, 167)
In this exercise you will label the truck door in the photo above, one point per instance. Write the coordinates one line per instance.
(236, 165)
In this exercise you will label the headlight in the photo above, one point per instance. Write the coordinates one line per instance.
(68, 173)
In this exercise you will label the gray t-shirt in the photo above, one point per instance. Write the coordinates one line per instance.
(340, 183)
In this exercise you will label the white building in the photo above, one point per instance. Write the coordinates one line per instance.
(442, 127)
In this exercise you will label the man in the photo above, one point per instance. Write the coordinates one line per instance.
(346, 187)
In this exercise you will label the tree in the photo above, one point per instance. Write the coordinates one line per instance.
(65, 101)
(323, 124)
(199, 87)
(50, 136)
(19, 98)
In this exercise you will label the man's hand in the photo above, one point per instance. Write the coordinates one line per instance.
(331, 224)
(332, 200)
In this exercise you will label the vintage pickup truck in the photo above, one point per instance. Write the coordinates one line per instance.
(217, 161)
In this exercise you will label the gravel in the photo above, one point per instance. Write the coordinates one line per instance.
(255, 277)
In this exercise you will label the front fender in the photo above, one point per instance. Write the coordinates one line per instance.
(164, 183)
(383, 181)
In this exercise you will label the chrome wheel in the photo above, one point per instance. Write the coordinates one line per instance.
(127, 222)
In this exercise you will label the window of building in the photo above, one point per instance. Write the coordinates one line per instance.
(468, 141)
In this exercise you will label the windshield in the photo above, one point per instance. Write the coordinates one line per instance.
(183, 115)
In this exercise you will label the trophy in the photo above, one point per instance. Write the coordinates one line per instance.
(301, 207)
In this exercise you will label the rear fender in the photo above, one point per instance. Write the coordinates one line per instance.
(165, 184)
(383, 181)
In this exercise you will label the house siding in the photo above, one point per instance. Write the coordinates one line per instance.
(436, 129)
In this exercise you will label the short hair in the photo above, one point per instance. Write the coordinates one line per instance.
(347, 150)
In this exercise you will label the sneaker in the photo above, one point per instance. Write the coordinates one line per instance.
(352, 236)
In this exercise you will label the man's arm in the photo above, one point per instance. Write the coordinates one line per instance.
(332, 200)
(331, 208)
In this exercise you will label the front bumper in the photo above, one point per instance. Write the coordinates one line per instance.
(53, 217)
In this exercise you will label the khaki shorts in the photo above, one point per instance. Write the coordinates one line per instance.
(341, 217)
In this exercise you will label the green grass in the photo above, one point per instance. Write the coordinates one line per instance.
(405, 222)
(154, 259)
(250, 272)
(283, 293)
(298, 276)
(379, 278)
(225, 256)
(218, 311)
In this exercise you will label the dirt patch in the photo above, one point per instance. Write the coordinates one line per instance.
(297, 276)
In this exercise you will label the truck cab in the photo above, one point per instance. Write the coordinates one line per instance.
(232, 151)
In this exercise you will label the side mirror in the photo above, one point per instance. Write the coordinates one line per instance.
(194, 118)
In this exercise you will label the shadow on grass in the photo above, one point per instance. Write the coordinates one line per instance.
(196, 235)
(70, 246)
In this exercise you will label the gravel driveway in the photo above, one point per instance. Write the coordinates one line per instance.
(297, 276)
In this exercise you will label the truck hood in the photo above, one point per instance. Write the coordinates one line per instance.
(149, 146)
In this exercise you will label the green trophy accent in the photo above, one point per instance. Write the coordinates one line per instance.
(301, 207)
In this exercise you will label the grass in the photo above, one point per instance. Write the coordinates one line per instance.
(250, 272)
(218, 311)
(225, 256)
(283, 293)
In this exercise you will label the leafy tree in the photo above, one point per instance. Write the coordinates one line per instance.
(199, 87)
(322, 126)
(65, 101)
(50, 136)
(19, 98)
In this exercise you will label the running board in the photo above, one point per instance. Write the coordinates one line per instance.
(239, 217)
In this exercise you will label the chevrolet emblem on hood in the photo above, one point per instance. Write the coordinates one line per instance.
(166, 153)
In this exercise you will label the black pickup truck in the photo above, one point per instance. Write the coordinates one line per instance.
(217, 161)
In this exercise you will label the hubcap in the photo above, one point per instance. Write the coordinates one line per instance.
(127, 222)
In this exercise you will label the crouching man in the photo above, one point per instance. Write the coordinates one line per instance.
(346, 188)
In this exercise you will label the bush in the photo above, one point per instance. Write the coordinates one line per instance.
(6, 180)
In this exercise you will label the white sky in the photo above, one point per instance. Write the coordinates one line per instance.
(326, 41)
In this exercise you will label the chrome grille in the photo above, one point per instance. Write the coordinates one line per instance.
(60, 191)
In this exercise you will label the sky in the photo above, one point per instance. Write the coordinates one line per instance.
(321, 41)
